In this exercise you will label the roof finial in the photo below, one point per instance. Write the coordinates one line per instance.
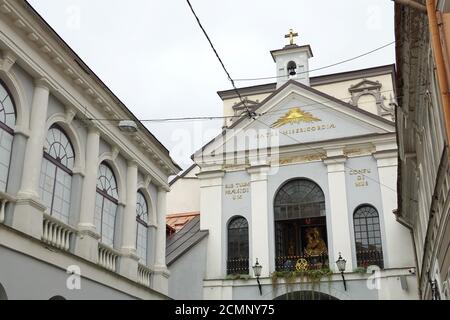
(291, 35)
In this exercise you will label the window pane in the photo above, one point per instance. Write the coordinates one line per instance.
(106, 181)
(141, 245)
(5, 156)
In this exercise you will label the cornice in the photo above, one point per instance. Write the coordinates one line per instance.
(59, 58)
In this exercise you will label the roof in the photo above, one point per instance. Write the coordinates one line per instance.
(96, 79)
(178, 221)
(292, 48)
(184, 240)
(182, 175)
(314, 81)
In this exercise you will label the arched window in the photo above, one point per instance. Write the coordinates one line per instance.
(300, 225)
(238, 248)
(142, 227)
(106, 204)
(56, 298)
(7, 123)
(369, 249)
(56, 174)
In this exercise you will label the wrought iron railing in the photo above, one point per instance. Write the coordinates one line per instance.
(302, 263)
(238, 266)
(367, 258)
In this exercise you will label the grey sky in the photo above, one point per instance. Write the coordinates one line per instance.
(154, 57)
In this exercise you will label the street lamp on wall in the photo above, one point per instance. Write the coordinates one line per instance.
(341, 267)
(257, 268)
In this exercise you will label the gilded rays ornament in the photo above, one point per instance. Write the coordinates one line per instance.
(295, 115)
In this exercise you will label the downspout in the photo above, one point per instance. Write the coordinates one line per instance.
(407, 225)
(440, 64)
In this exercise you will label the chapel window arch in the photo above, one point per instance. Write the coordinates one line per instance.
(55, 183)
(368, 240)
(8, 119)
(142, 219)
(107, 200)
(238, 246)
(300, 226)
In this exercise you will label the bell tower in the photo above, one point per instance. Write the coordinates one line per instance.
(292, 61)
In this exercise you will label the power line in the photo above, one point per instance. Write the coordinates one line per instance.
(249, 112)
(200, 118)
(325, 67)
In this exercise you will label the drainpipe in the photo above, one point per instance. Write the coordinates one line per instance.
(407, 225)
(440, 64)
(444, 23)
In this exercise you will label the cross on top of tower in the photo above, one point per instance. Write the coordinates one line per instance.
(291, 35)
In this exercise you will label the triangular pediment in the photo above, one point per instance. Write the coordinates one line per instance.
(365, 85)
(297, 114)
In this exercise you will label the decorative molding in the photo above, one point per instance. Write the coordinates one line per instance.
(373, 88)
(7, 60)
(50, 48)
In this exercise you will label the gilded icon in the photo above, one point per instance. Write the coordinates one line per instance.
(295, 115)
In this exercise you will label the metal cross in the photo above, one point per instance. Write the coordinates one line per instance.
(291, 35)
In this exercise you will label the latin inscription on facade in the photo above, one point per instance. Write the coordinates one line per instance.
(361, 177)
(237, 191)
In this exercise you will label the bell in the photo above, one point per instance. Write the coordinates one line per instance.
(292, 71)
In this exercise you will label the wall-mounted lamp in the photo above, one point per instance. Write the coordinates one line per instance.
(257, 268)
(341, 267)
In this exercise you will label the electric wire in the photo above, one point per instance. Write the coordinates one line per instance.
(324, 67)
(249, 112)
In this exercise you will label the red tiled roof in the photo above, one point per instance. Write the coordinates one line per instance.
(179, 220)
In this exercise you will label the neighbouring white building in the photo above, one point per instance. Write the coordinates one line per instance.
(305, 170)
(78, 196)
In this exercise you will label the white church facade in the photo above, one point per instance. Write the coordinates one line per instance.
(82, 201)
(303, 175)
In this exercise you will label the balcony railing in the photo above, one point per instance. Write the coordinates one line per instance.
(238, 266)
(301, 263)
(367, 258)
(107, 257)
(145, 275)
(56, 233)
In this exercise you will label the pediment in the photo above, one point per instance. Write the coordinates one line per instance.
(297, 114)
(365, 85)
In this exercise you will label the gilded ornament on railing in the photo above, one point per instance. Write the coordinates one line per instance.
(295, 115)
(301, 265)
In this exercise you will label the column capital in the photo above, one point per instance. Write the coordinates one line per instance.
(386, 154)
(211, 174)
(163, 189)
(258, 169)
(7, 60)
(329, 161)
(42, 83)
(132, 163)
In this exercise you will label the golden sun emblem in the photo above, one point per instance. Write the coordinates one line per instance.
(295, 115)
(301, 265)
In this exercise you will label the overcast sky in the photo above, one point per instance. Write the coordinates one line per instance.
(152, 54)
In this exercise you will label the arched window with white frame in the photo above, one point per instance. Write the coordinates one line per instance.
(142, 218)
(369, 248)
(55, 182)
(7, 124)
(106, 204)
